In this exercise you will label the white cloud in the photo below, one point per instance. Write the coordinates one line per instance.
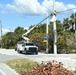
(69, 6)
(4, 31)
(26, 28)
(27, 7)
(33, 7)
(60, 6)
(48, 4)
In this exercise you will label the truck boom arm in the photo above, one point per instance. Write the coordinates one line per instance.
(25, 34)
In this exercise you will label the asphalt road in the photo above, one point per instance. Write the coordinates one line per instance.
(68, 60)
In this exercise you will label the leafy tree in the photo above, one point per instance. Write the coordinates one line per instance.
(61, 44)
(72, 17)
(38, 38)
(65, 37)
(66, 24)
(71, 42)
(75, 23)
(11, 38)
(7, 39)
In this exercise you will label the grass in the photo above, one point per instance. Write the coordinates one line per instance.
(21, 66)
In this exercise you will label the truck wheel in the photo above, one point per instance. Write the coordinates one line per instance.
(19, 51)
(25, 52)
(36, 53)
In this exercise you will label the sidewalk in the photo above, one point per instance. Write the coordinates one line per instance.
(8, 52)
(6, 70)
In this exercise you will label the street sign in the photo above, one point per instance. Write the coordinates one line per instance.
(46, 37)
(44, 40)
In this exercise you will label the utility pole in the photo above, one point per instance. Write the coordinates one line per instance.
(47, 34)
(54, 28)
(1, 31)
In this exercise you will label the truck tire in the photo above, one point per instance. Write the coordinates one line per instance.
(36, 53)
(19, 51)
(25, 52)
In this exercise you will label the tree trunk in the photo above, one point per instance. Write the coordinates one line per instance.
(75, 28)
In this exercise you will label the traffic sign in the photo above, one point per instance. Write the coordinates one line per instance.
(44, 40)
(46, 37)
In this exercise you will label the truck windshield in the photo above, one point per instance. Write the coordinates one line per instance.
(29, 44)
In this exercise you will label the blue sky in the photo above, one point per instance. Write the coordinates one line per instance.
(14, 13)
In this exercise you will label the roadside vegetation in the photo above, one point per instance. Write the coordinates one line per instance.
(21, 66)
(28, 67)
(66, 36)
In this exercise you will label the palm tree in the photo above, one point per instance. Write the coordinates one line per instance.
(66, 24)
(75, 23)
(72, 21)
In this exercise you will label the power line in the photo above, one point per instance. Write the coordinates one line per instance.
(51, 15)
(44, 19)
(66, 10)
(25, 6)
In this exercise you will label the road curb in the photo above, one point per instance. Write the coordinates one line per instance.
(7, 70)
